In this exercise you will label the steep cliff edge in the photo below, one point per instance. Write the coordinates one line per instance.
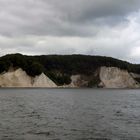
(68, 71)
(104, 77)
(43, 81)
(112, 77)
(19, 78)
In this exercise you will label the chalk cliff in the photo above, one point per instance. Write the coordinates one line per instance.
(108, 77)
(19, 78)
(43, 81)
(105, 77)
(112, 77)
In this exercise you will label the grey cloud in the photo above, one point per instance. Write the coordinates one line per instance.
(83, 10)
(95, 27)
(61, 17)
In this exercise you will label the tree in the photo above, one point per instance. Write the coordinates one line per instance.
(4, 66)
(35, 69)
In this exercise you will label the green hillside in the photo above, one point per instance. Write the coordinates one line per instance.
(60, 67)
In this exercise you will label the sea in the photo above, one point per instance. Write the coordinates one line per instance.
(69, 114)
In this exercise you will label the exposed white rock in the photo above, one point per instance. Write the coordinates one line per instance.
(43, 81)
(112, 77)
(74, 80)
(19, 78)
(135, 75)
(77, 81)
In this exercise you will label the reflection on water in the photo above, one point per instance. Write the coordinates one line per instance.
(69, 114)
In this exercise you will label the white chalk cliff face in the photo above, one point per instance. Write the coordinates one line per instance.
(43, 81)
(19, 78)
(77, 81)
(112, 77)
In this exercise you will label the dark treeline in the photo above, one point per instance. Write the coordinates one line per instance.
(60, 67)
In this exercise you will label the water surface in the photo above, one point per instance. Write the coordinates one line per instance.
(69, 114)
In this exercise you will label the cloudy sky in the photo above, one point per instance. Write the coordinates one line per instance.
(93, 27)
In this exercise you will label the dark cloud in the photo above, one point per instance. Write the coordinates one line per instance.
(103, 27)
(61, 17)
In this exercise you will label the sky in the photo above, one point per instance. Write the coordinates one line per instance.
(91, 27)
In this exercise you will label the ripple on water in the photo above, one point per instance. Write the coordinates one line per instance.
(68, 114)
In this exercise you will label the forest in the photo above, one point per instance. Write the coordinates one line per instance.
(60, 67)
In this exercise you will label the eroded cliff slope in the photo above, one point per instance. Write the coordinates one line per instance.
(112, 77)
(19, 78)
(104, 77)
